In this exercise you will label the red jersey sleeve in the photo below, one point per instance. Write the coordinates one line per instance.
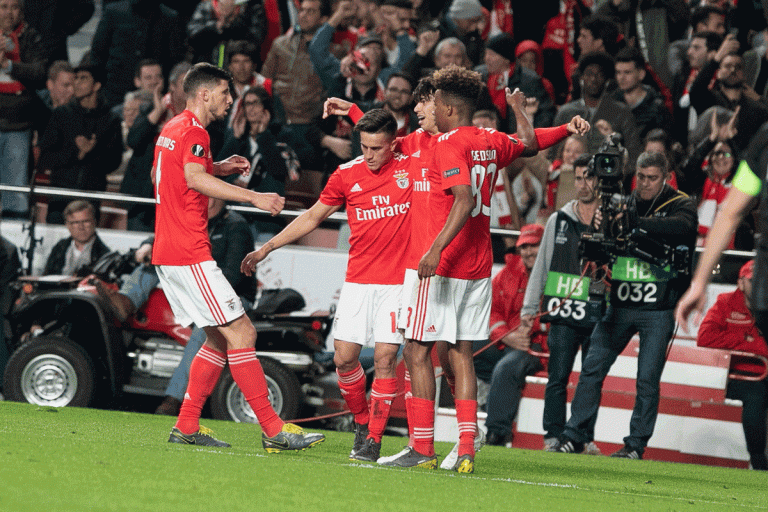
(451, 164)
(196, 147)
(333, 193)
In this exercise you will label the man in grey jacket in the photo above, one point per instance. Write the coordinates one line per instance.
(556, 275)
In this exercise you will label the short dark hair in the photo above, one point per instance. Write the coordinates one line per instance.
(241, 47)
(79, 205)
(602, 28)
(377, 120)
(325, 7)
(631, 54)
(602, 59)
(459, 85)
(179, 70)
(652, 159)
(405, 77)
(204, 74)
(493, 115)
(264, 98)
(582, 160)
(702, 13)
(58, 67)
(424, 90)
(712, 39)
(143, 63)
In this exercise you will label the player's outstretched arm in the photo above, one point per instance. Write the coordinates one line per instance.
(302, 225)
(235, 164)
(726, 221)
(525, 132)
(211, 186)
(463, 203)
(336, 107)
(578, 126)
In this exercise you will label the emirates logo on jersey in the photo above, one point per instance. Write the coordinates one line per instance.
(198, 150)
(401, 178)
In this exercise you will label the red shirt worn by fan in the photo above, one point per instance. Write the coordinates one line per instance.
(468, 156)
(181, 225)
(378, 211)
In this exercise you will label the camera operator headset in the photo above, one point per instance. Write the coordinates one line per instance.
(649, 272)
(746, 186)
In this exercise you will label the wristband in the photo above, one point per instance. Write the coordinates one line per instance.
(746, 181)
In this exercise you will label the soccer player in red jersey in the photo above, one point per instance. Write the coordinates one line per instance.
(453, 291)
(376, 190)
(184, 176)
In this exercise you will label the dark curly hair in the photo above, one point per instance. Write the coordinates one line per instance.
(459, 86)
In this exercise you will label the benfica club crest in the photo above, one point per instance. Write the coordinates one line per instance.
(401, 177)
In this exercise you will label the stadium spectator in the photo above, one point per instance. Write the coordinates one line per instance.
(529, 54)
(598, 34)
(241, 66)
(730, 90)
(756, 67)
(704, 18)
(148, 77)
(558, 262)
(129, 31)
(636, 307)
(216, 22)
(299, 88)
(647, 105)
(55, 20)
(596, 104)
(729, 325)
(463, 20)
(561, 173)
(396, 41)
(398, 99)
(251, 137)
(82, 142)
(684, 116)
(60, 85)
(22, 71)
(141, 138)
(75, 254)
(506, 364)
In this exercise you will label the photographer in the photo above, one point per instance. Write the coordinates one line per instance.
(642, 301)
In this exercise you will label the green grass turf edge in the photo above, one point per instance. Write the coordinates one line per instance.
(86, 459)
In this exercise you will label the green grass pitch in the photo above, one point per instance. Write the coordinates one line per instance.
(85, 459)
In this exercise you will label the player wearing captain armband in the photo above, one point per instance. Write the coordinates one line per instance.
(642, 301)
(557, 276)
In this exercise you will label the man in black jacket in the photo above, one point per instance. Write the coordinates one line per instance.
(643, 298)
(22, 71)
(83, 141)
(82, 248)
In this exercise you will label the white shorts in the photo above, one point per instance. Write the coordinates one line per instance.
(367, 314)
(445, 309)
(200, 293)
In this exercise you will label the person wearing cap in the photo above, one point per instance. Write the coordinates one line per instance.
(506, 364)
(462, 20)
(597, 68)
(570, 327)
(500, 71)
(729, 325)
(83, 141)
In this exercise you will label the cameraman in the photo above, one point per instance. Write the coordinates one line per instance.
(642, 300)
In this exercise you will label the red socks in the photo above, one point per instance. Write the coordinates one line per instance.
(352, 387)
(204, 372)
(423, 425)
(249, 376)
(383, 392)
(408, 406)
(466, 416)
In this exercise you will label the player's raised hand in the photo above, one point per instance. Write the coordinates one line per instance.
(336, 107)
(578, 126)
(248, 264)
(515, 99)
(235, 164)
(269, 202)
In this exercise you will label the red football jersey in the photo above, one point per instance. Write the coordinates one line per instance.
(378, 211)
(419, 145)
(468, 156)
(181, 220)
